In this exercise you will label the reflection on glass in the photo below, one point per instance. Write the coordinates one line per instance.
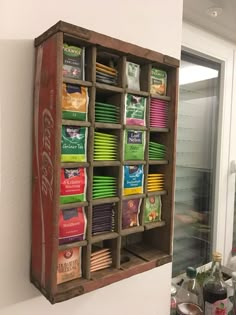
(195, 163)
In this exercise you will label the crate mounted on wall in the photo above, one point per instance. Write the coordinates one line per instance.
(103, 161)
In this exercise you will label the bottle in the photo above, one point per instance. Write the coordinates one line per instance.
(189, 296)
(173, 300)
(234, 291)
(214, 289)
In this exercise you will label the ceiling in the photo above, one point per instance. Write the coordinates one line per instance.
(223, 25)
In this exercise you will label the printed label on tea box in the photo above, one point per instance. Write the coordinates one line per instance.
(74, 144)
(152, 211)
(132, 75)
(134, 145)
(135, 110)
(130, 213)
(73, 185)
(69, 265)
(133, 180)
(73, 62)
(74, 102)
(158, 81)
(72, 225)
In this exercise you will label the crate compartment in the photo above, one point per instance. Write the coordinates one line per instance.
(106, 145)
(104, 218)
(105, 183)
(131, 213)
(155, 181)
(137, 74)
(108, 67)
(133, 180)
(129, 261)
(104, 257)
(159, 80)
(72, 225)
(108, 107)
(73, 185)
(70, 264)
(75, 101)
(145, 245)
(158, 113)
(82, 61)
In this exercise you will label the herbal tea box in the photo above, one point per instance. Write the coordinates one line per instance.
(158, 82)
(69, 264)
(73, 62)
(134, 144)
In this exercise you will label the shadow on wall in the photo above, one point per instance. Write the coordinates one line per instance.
(16, 101)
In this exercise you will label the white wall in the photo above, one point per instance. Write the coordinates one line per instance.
(153, 24)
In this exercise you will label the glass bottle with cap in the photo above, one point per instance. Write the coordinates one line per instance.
(189, 295)
(234, 292)
(214, 289)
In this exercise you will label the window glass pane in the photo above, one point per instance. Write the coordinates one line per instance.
(195, 162)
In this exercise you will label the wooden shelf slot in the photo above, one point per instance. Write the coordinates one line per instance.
(158, 162)
(75, 123)
(152, 225)
(132, 230)
(157, 193)
(103, 236)
(77, 82)
(160, 97)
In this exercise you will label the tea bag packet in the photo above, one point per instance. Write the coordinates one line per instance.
(134, 144)
(100, 259)
(152, 209)
(158, 82)
(135, 110)
(130, 213)
(73, 185)
(72, 225)
(106, 74)
(73, 62)
(74, 102)
(133, 76)
(69, 264)
(74, 144)
(133, 179)
(103, 218)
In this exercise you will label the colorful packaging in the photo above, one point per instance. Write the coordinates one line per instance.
(132, 75)
(72, 225)
(134, 142)
(158, 82)
(74, 102)
(73, 62)
(135, 110)
(73, 185)
(152, 210)
(132, 179)
(130, 213)
(74, 144)
(69, 264)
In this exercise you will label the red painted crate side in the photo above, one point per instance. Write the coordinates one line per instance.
(44, 166)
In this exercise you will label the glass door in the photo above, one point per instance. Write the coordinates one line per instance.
(195, 162)
(230, 233)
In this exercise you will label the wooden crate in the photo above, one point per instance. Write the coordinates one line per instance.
(135, 249)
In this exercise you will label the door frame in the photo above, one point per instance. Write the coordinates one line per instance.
(201, 43)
